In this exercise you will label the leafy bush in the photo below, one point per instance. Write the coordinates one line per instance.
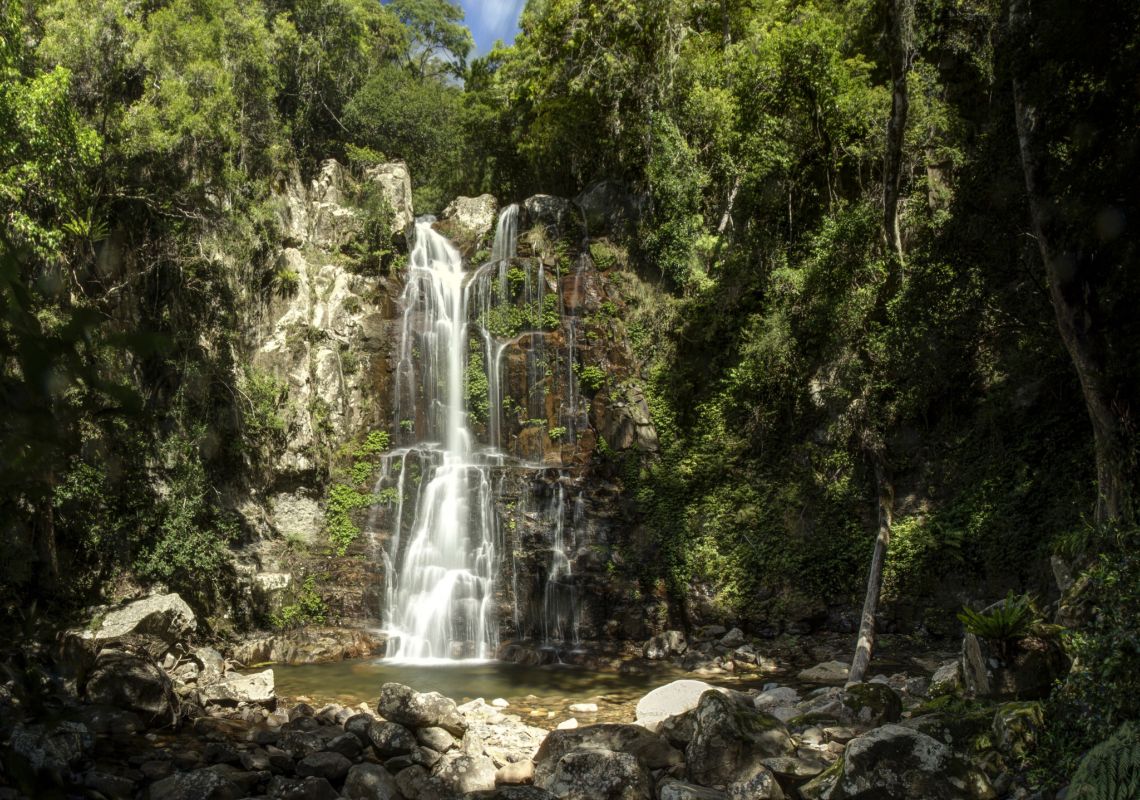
(352, 491)
(1102, 691)
(590, 377)
(307, 608)
(339, 526)
(1010, 619)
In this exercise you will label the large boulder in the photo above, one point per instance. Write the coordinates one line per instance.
(646, 747)
(673, 789)
(779, 701)
(129, 681)
(731, 740)
(512, 793)
(391, 739)
(897, 763)
(333, 767)
(51, 748)
(470, 219)
(829, 672)
(396, 184)
(669, 701)
(872, 704)
(256, 688)
(556, 214)
(597, 774)
(201, 784)
(403, 704)
(757, 783)
(947, 679)
(165, 617)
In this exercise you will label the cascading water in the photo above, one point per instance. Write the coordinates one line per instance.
(559, 622)
(440, 592)
(443, 560)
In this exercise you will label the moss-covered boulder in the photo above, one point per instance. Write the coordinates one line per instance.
(730, 741)
(1015, 728)
(872, 704)
(898, 763)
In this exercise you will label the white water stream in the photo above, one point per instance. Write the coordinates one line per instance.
(440, 598)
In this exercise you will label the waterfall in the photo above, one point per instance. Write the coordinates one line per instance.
(443, 559)
(441, 586)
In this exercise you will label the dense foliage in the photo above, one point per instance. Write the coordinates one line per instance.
(803, 364)
(140, 145)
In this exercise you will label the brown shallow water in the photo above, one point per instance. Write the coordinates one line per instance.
(542, 695)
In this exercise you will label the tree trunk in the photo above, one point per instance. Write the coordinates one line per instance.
(47, 551)
(866, 642)
(1073, 292)
(900, 17)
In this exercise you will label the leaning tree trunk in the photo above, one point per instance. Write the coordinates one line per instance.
(866, 642)
(1071, 289)
(900, 16)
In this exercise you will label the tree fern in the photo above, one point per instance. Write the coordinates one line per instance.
(1111, 770)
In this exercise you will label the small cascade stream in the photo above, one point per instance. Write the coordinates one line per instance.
(449, 566)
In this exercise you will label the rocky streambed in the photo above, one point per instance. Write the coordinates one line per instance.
(131, 710)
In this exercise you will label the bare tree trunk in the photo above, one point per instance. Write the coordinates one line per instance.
(1073, 293)
(866, 641)
(900, 18)
(48, 552)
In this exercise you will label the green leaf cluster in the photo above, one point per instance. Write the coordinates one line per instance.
(1011, 619)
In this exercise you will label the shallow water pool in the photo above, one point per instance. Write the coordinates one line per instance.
(543, 694)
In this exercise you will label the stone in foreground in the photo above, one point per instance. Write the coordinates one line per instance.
(897, 763)
(597, 775)
(669, 701)
(257, 687)
(403, 704)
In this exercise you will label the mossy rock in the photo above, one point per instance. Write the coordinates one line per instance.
(821, 785)
(872, 703)
(1015, 728)
(963, 731)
